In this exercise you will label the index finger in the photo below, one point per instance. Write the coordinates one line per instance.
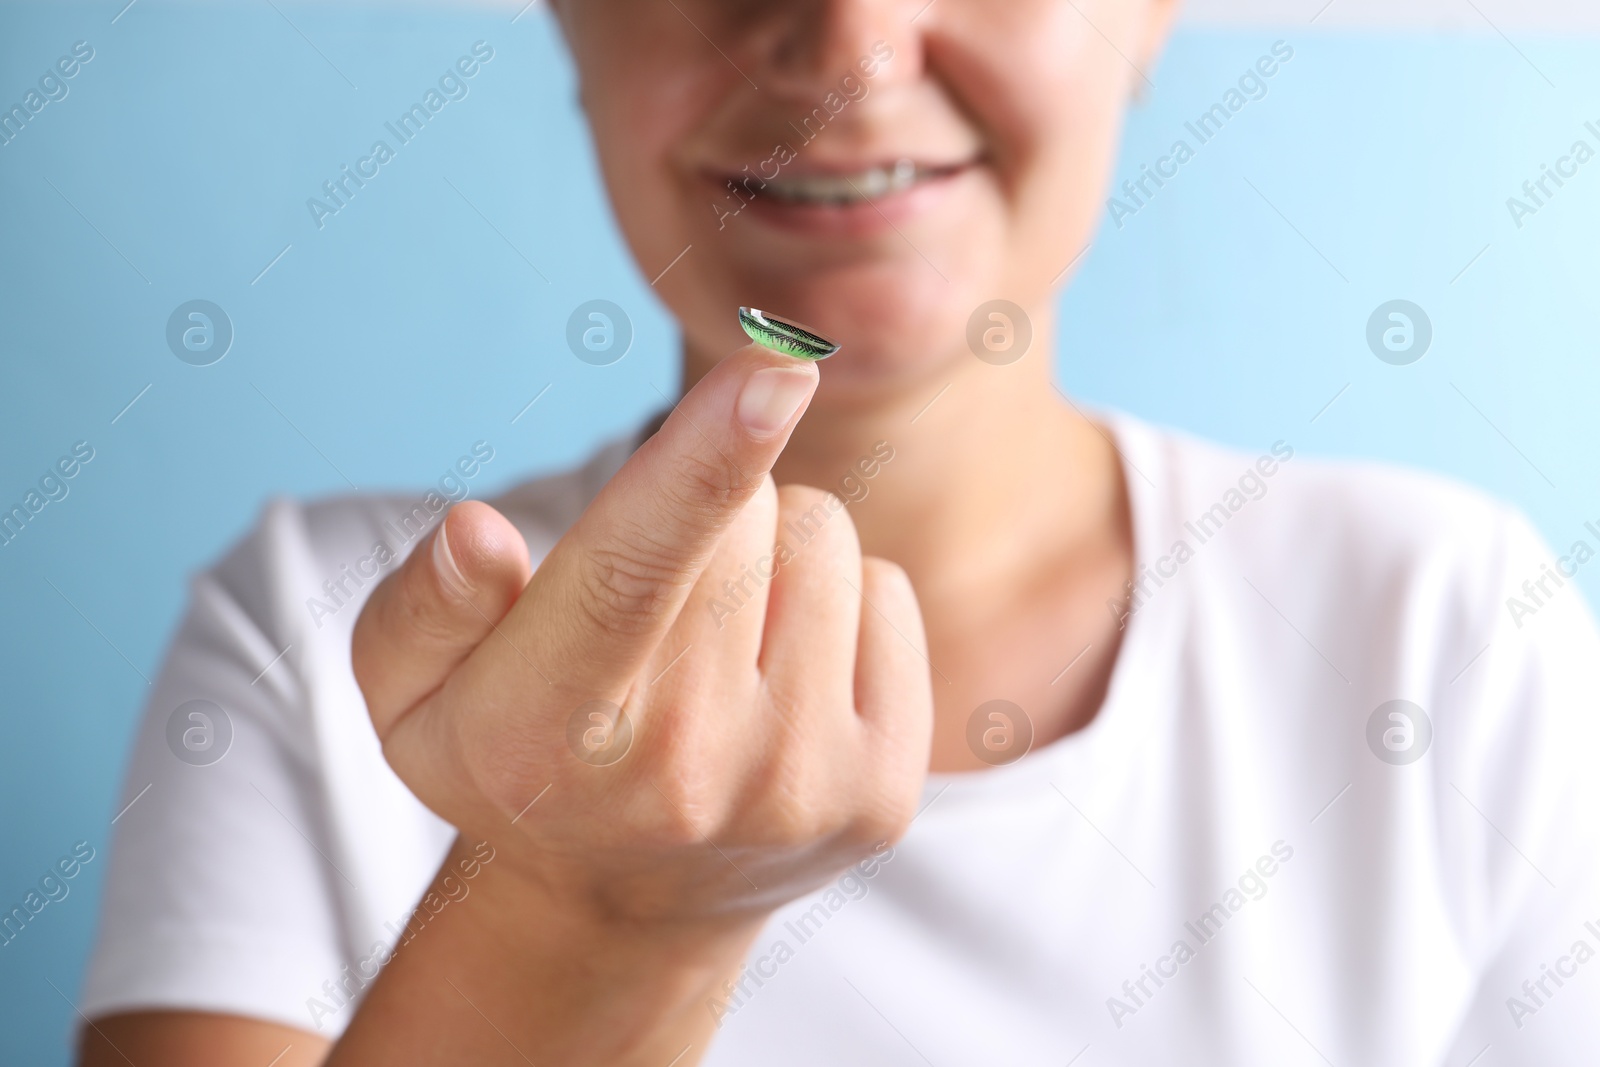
(619, 577)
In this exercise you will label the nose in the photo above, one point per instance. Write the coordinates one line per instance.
(808, 46)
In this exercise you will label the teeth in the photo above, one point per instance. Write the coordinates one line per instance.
(871, 184)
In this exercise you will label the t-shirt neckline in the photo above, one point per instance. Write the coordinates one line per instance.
(1099, 741)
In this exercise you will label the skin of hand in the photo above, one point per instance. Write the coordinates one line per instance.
(768, 749)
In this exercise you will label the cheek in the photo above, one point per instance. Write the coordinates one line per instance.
(1049, 92)
(640, 114)
(1032, 73)
(1066, 93)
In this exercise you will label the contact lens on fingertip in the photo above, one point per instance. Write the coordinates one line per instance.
(790, 338)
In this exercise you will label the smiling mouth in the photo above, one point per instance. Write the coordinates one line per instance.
(847, 189)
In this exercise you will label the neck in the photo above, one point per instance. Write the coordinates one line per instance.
(992, 480)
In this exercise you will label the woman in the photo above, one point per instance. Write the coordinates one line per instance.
(1067, 741)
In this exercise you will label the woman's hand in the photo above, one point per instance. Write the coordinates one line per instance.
(779, 725)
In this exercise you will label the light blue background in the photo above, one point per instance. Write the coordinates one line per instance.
(409, 328)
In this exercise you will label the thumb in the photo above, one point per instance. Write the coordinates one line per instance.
(426, 618)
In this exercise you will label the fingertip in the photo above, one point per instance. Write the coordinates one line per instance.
(890, 598)
(894, 683)
(889, 576)
(771, 398)
(477, 549)
(423, 620)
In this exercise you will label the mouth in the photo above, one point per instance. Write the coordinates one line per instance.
(862, 186)
(837, 200)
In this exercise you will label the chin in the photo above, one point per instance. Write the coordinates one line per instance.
(912, 355)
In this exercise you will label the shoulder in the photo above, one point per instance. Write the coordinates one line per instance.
(1282, 506)
(1338, 584)
(1333, 588)
(1396, 670)
(1347, 539)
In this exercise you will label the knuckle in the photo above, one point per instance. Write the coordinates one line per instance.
(689, 816)
(797, 499)
(501, 769)
(877, 826)
(708, 489)
(790, 828)
(793, 494)
(884, 815)
(786, 824)
(885, 574)
(813, 515)
(800, 802)
(628, 590)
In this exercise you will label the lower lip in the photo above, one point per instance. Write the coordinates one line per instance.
(867, 218)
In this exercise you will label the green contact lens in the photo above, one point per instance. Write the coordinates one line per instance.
(789, 338)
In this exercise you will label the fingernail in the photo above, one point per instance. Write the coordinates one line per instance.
(770, 398)
(790, 338)
(444, 561)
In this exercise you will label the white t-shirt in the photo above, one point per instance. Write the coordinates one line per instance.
(1249, 857)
